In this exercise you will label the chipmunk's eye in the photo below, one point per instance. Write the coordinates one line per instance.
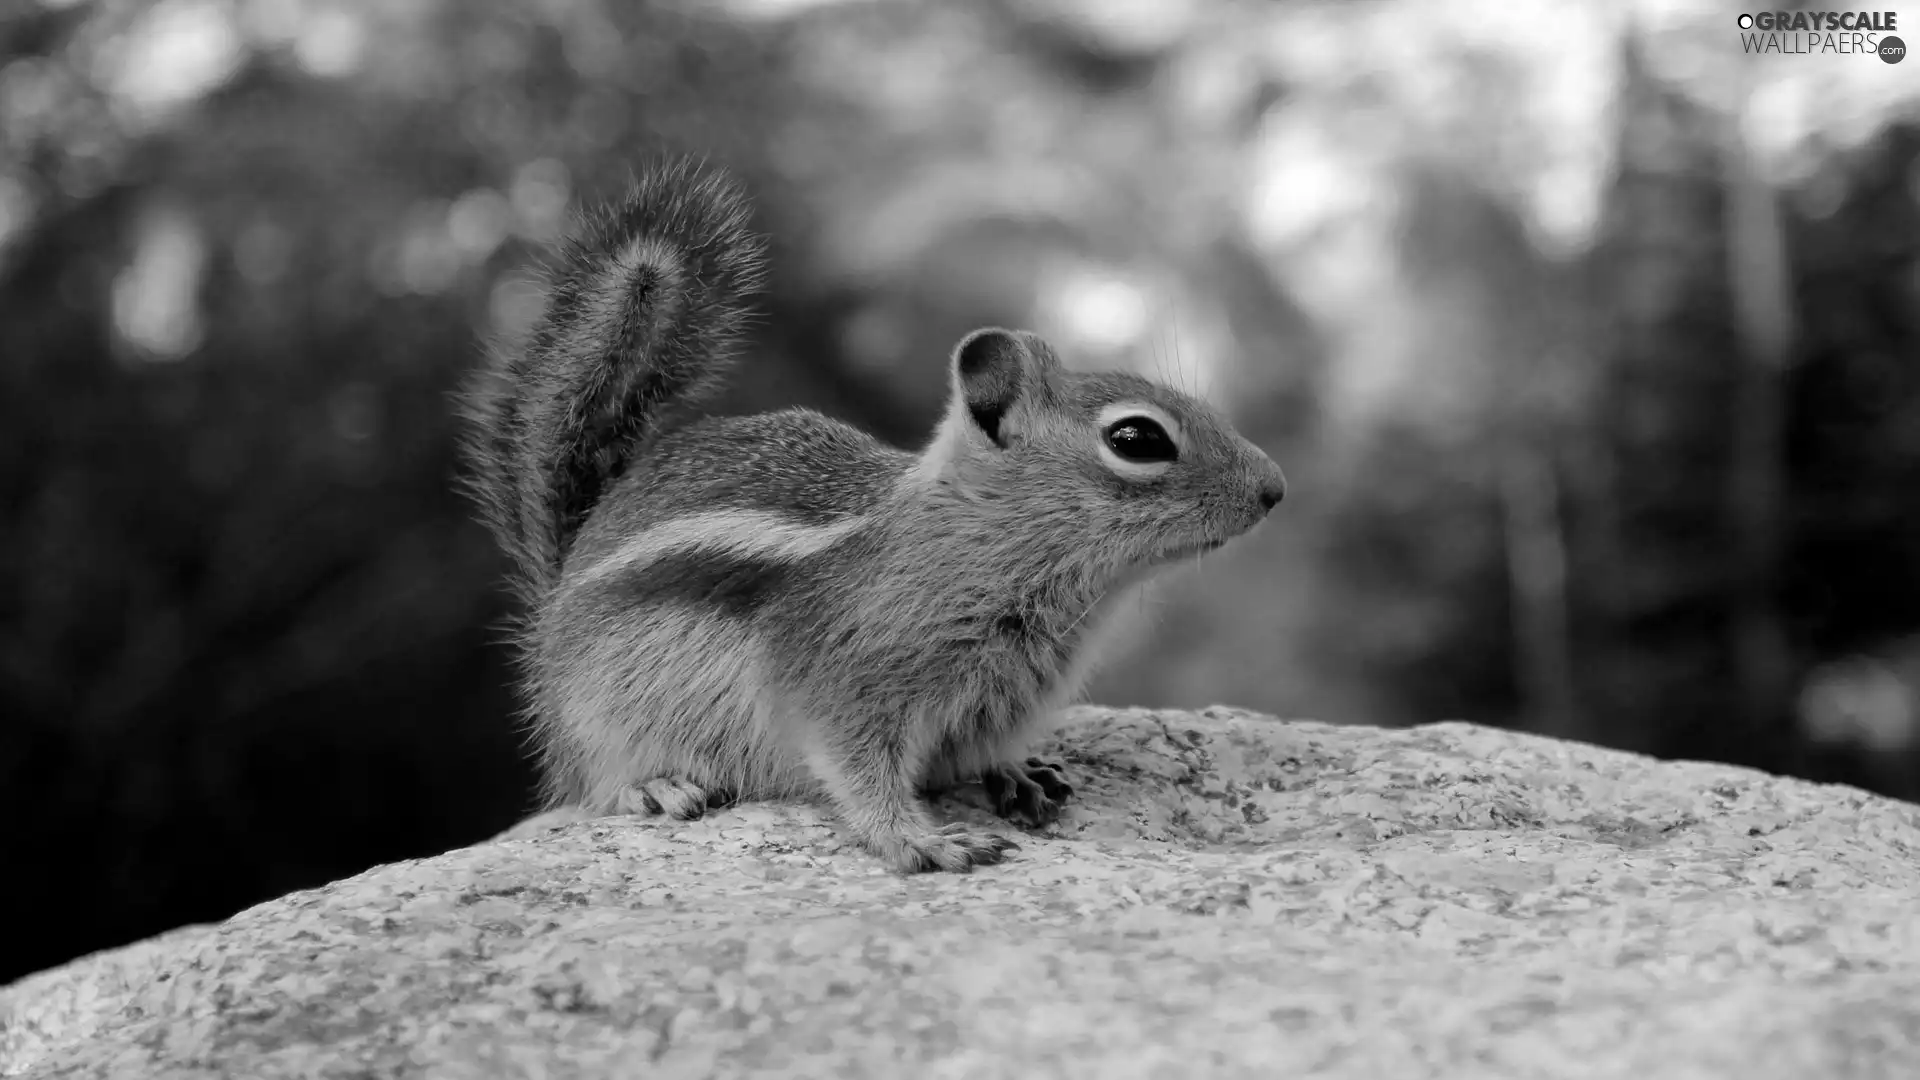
(1136, 438)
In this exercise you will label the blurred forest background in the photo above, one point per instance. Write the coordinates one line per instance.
(1588, 343)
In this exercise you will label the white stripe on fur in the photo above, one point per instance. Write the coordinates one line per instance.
(754, 534)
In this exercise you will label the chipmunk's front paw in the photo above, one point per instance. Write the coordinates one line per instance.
(1035, 790)
(676, 798)
(956, 848)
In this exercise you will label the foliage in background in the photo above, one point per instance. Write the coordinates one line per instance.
(1589, 345)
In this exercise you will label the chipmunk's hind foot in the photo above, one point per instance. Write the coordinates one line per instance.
(1035, 790)
(680, 799)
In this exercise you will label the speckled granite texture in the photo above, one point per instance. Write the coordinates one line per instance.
(1229, 896)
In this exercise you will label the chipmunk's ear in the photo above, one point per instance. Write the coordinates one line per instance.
(994, 369)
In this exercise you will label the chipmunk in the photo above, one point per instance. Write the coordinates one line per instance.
(782, 606)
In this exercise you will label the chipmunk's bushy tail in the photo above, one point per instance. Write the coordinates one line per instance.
(645, 312)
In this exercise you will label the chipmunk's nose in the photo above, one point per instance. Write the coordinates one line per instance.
(1273, 488)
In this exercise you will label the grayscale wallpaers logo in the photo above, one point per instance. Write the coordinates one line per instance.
(1838, 33)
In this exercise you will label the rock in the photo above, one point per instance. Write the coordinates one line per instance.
(1229, 896)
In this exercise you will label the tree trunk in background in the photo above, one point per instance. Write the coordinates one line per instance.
(1762, 296)
(1654, 584)
(1529, 485)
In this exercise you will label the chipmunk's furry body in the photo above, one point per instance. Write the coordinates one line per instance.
(780, 605)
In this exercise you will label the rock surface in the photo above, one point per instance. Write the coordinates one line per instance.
(1228, 896)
